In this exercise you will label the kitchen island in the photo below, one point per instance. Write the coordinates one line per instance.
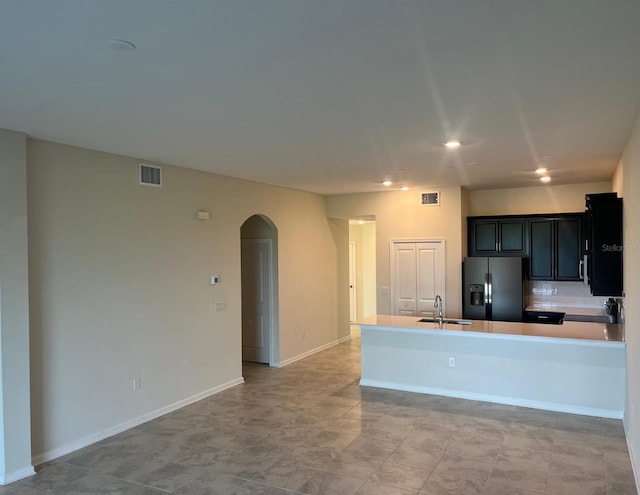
(577, 367)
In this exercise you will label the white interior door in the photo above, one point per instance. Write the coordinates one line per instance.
(352, 282)
(256, 300)
(430, 279)
(417, 274)
(404, 278)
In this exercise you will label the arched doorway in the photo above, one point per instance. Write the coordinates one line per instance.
(259, 266)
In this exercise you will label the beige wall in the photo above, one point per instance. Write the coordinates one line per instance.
(529, 200)
(119, 287)
(15, 436)
(617, 182)
(465, 207)
(631, 186)
(369, 269)
(338, 304)
(399, 215)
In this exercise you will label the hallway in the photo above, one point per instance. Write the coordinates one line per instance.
(309, 428)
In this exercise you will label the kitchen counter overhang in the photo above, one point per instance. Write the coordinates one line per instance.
(575, 367)
(608, 332)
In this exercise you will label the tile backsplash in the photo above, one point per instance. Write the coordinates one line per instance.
(572, 294)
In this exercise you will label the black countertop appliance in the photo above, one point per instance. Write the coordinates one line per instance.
(547, 317)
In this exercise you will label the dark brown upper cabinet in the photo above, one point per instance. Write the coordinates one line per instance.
(560, 246)
(497, 236)
(556, 247)
(554, 243)
(605, 244)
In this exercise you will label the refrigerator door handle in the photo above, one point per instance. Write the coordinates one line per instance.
(490, 287)
(580, 274)
(487, 288)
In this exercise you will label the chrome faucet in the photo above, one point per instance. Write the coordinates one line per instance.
(438, 304)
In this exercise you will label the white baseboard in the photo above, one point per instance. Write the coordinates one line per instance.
(292, 360)
(498, 399)
(131, 423)
(18, 475)
(634, 466)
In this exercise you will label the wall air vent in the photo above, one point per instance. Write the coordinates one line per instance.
(430, 198)
(150, 175)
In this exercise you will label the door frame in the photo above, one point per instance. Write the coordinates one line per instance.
(392, 266)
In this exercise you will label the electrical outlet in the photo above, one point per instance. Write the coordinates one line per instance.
(452, 362)
(219, 306)
(137, 383)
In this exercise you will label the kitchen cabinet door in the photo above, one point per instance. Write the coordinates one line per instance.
(605, 244)
(568, 249)
(541, 263)
(555, 252)
(497, 237)
(512, 236)
(484, 237)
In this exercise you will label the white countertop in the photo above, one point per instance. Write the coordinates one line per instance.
(568, 330)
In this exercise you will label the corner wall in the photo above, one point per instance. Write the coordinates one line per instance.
(15, 430)
(617, 181)
(119, 278)
(631, 186)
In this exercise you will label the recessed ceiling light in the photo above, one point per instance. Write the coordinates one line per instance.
(121, 45)
(541, 171)
(453, 144)
(387, 183)
(546, 178)
(404, 188)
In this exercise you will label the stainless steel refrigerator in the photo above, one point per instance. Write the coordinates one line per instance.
(493, 288)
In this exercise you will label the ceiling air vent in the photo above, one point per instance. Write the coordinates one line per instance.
(150, 175)
(430, 198)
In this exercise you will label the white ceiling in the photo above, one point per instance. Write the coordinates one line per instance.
(331, 96)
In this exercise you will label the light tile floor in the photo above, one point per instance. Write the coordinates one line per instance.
(310, 428)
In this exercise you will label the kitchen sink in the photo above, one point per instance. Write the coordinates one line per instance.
(446, 320)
